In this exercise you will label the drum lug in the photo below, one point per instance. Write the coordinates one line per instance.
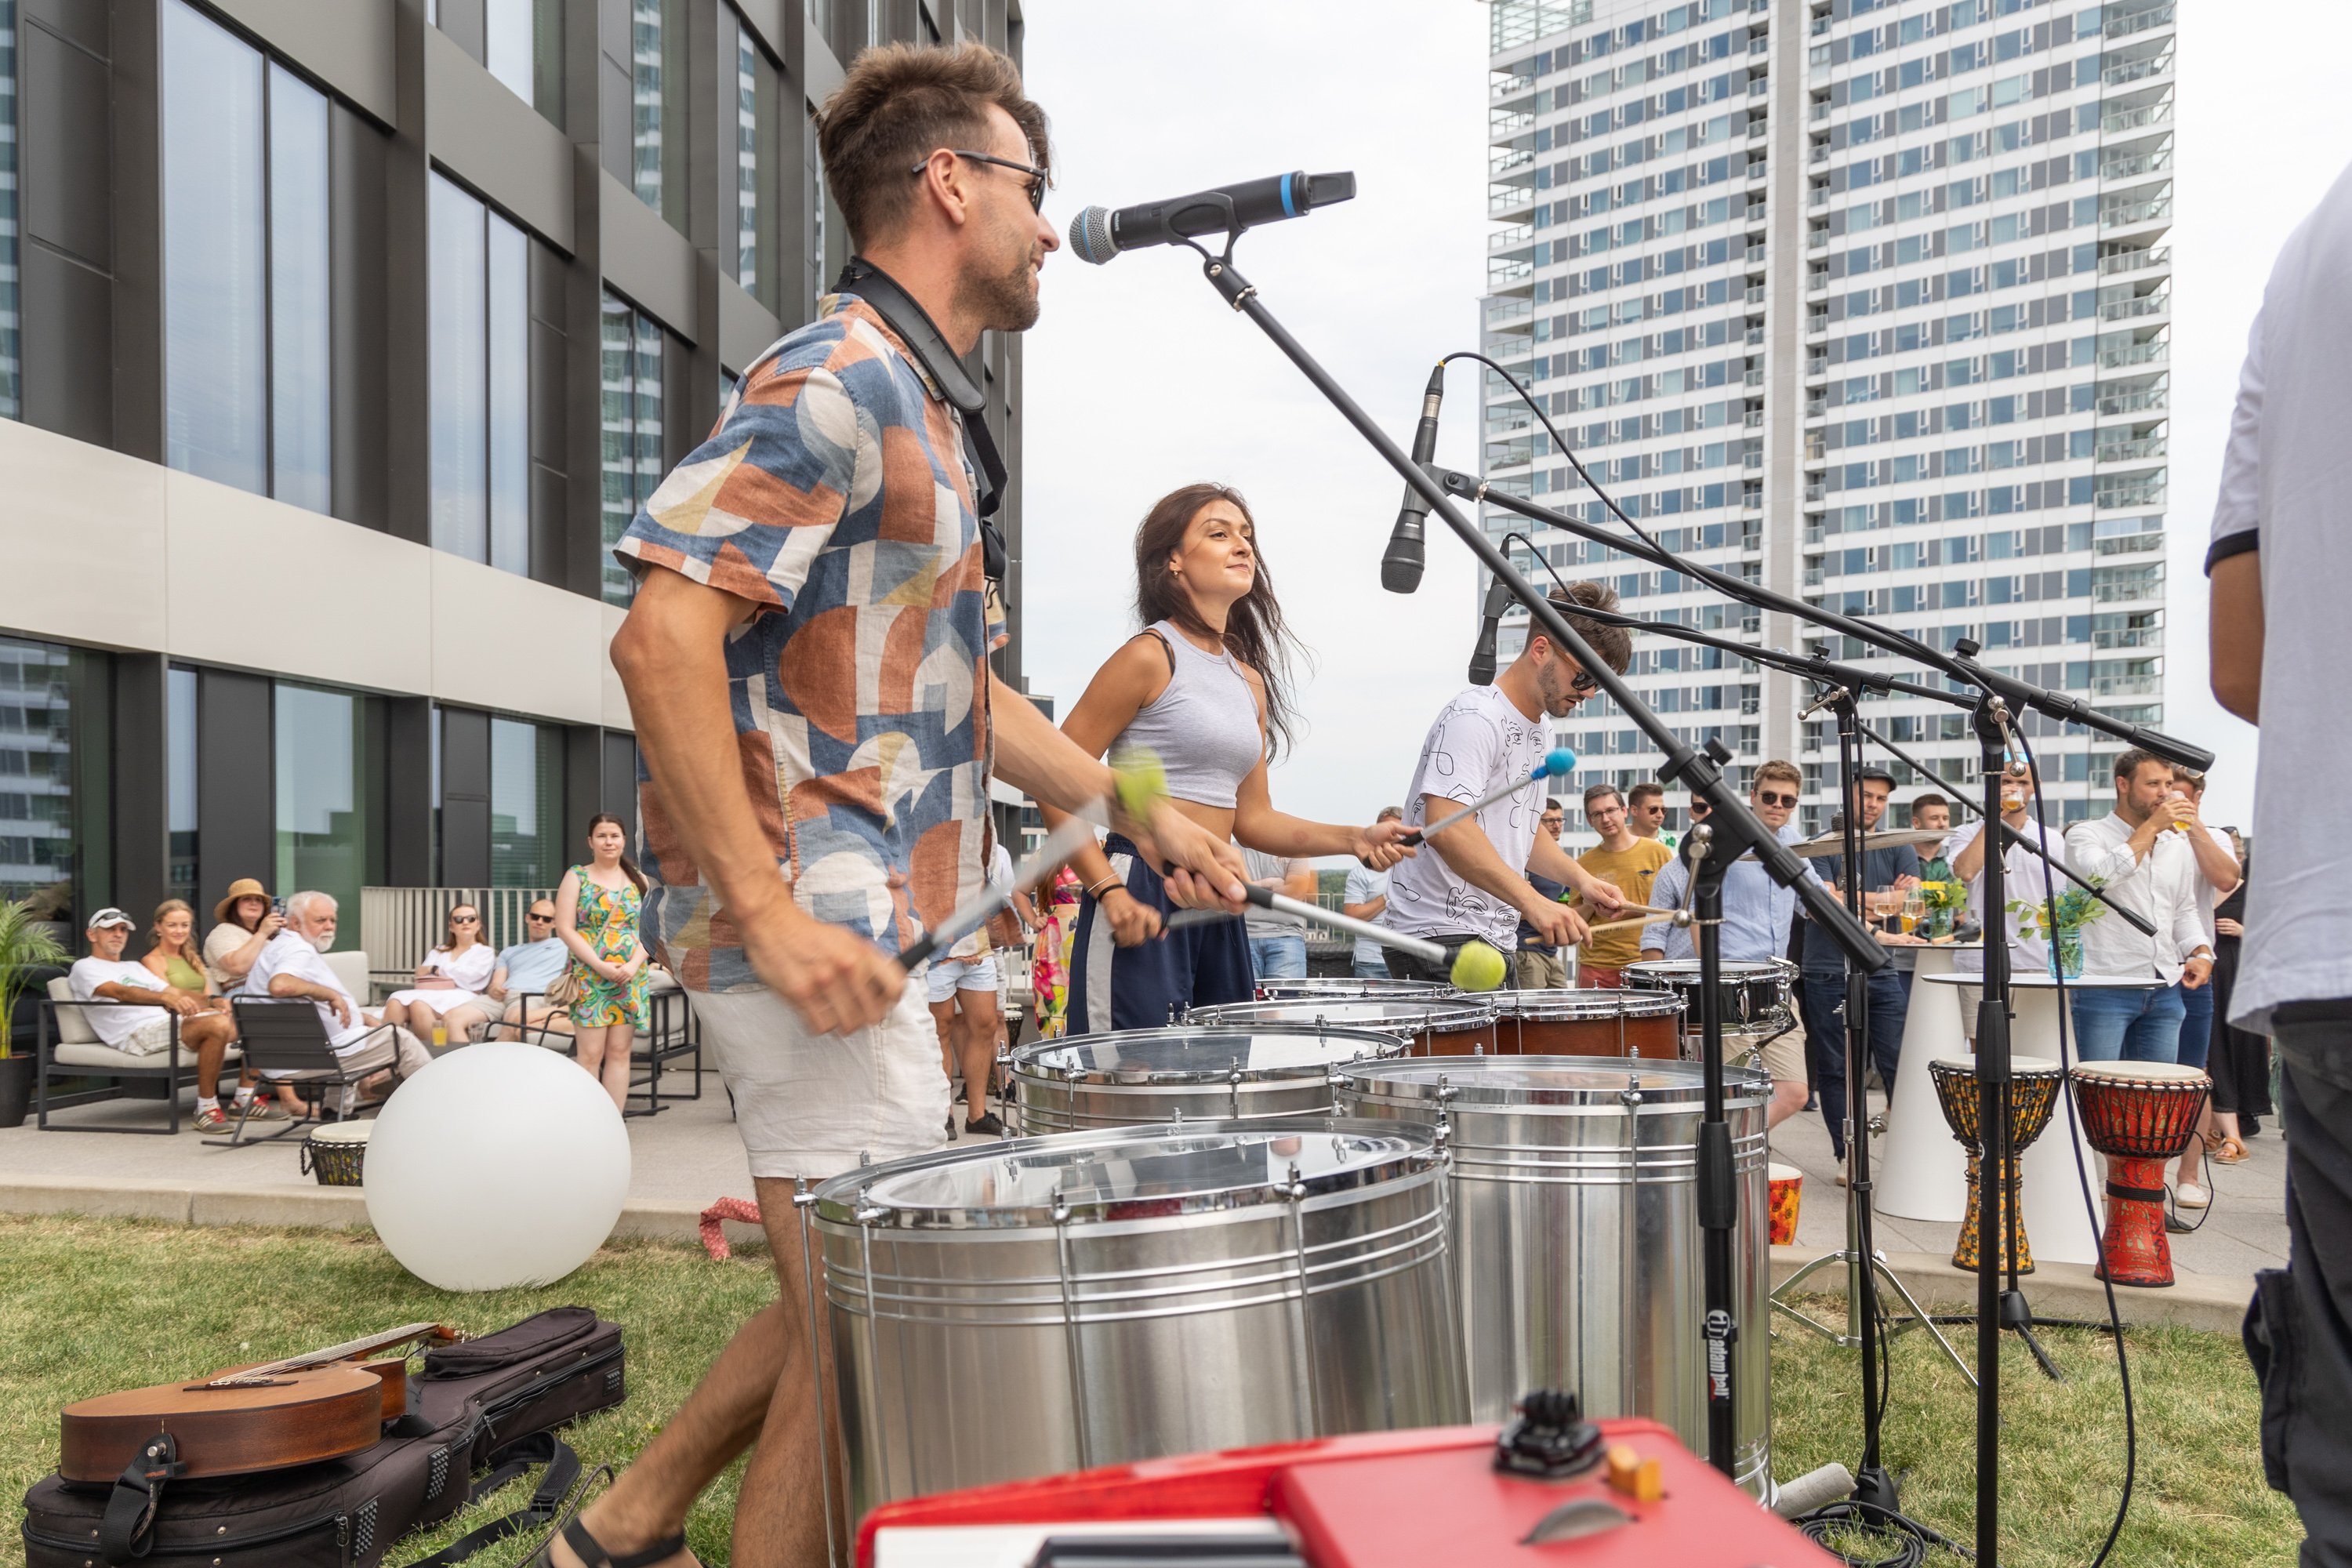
(1072, 1345)
(804, 1201)
(1296, 1191)
(1233, 1085)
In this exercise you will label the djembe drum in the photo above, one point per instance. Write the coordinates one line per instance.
(2141, 1115)
(2033, 1093)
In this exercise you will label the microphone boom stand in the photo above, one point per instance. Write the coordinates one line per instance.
(1734, 830)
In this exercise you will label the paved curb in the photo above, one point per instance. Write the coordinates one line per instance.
(2213, 1302)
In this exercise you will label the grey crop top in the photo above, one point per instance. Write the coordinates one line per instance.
(1204, 726)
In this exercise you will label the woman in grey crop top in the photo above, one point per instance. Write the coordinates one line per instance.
(1204, 687)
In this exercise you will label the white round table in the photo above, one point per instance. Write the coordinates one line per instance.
(1922, 1170)
(2057, 1226)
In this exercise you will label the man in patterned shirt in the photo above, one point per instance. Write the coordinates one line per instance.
(807, 663)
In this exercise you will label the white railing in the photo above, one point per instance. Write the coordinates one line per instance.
(399, 925)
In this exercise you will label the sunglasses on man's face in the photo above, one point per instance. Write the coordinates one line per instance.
(1773, 798)
(1036, 175)
(536, 916)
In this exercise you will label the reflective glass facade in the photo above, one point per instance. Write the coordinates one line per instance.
(633, 466)
(481, 382)
(39, 819)
(322, 784)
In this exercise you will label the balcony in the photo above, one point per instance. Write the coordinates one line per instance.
(2128, 215)
(1517, 236)
(1508, 202)
(2154, 303)
(1815, 407)
(2127, 165)
(2150, 352)
(2125, 685)
(1819, 155)
(1752, 460)
(1817, 281)
(1753, 419)
(1502, 127)
(1753, 378)
(1756, 167)
(2115, 122)
(1755, 295)
(1816, 492)
(2123, 73)
(1501, 313)
(1506, 88)
(1758, 45)
(1817, 239)
(1503, 161)
(2147, 492)
(2147, 18)
(2140, 400)
(1755, 335)
(2138, 637)
(1817, 366)
(2129, 544)
(1812, 576)
(1757, 127)
(1756, 253)
(2131, 451)
(1759, 85)
(2136, 259)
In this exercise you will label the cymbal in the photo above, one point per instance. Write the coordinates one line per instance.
(1816, 848)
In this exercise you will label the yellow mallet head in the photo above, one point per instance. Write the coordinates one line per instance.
(1141, 780)
(1477, 967)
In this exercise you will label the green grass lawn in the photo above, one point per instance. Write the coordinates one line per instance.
(96, 1305)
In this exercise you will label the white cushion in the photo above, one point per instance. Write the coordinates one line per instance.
(73, 1022)
(351, 968)
(660, 979)
(106, 1059)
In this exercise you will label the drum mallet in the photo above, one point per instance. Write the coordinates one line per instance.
(1664, 917)
(1558, 763)
(1266, 898)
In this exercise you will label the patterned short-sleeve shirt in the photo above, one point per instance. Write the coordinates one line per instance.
(834, 494)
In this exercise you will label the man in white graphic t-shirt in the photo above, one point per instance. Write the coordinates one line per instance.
(1474, 887)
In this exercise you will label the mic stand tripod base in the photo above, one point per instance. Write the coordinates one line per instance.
(1851, 1256)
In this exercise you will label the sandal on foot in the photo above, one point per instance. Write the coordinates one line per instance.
(2231, 1152)
(592, 1551)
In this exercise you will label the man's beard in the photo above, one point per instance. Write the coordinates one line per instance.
(1000, 302)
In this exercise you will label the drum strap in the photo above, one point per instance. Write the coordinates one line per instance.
(2144, 1194)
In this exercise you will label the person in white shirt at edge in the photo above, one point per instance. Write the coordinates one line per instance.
(1756, 914)
(525, 970)
(450, 982)
(2140, 857)
(966, 998)
(2281, 571)
(142, 1024)
(1277, 941)
(1471, 888)
(2217, 879)
(1366, 898)
(294, 965)
(2023, 872)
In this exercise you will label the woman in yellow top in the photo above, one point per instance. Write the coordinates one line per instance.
(174, 960)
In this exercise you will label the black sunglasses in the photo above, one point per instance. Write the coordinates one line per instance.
(1036, 175)
(535, 915)
(1769, 797)
(1699, 808)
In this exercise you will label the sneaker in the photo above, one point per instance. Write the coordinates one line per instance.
(213, 1119)
(989, 1125)
(266, 1110)
(2189, 1196)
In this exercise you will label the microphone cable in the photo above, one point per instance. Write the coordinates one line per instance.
(1535, 405)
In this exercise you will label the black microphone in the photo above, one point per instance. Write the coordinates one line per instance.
(1098, 234)
(1401, 567)
(1482, 663)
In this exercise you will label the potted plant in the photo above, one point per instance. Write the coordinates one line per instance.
(1946, 899)
(2075, 908)
(25, 947)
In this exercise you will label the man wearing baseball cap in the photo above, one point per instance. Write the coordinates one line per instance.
(132, 1010)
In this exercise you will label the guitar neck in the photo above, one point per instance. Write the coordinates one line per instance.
(350, 1349)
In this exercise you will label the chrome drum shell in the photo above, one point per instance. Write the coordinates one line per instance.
(1186, 1072)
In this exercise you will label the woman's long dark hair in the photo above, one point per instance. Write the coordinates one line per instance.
(628, 867)
(1254, 631)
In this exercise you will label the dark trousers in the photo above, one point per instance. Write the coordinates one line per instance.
(2299, 1328)
(1825, 1026)
(1404, 966)
(1140, 987)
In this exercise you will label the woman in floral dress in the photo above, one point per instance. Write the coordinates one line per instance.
(596, 915)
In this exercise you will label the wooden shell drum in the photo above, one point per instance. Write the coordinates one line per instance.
(2032, 1093)
(2141, 1115)
(1758, 1000)
(1588, 1024)
(1453, 1025)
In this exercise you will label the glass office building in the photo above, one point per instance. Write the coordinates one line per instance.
(337, 346)
(1867, 303)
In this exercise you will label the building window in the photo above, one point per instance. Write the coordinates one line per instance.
(633, 429)
(321, 745)
(754, 219)
(180, 721)
(245, 266)
(828, 234)
(522, 45)
(525, 804)
(11, 400)
(39, 819)
(480, 346)
(656, 74)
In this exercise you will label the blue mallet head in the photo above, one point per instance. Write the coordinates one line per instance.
(1558, 763)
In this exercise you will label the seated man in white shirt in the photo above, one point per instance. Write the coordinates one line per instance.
(294, 965)
(142, 1024)
(527, 970)
(2140, 858)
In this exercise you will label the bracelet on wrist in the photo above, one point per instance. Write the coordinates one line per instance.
(1095, 891)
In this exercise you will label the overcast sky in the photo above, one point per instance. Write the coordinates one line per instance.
(1140, 379)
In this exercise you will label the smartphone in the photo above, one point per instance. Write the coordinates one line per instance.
(277, 908)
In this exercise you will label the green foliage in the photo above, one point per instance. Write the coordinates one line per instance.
(26, 945)
(2076, 908)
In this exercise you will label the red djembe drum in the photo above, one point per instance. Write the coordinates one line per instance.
(2032, 1092)
(2141, 1115)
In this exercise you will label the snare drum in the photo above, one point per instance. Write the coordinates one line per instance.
(1588, 1024)
(1184, 1073)
(1759, 999)
(1007, 1311)
(1349, 988)
(1455, 1025)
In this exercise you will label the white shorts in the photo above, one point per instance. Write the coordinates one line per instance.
(152, 1037)
(946, 976)
(809, 1105)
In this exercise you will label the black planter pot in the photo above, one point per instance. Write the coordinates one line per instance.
(16, 1089)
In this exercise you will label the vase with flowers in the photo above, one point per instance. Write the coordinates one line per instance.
(2059, 921)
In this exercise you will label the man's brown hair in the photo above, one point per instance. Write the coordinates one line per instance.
(898, 106)
(1614, 644)
(1597, 791)
(2129, 764)
(1777, 769)
(1645, 791)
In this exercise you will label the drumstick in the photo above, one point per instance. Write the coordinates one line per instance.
(1558, 762)
(1674, 918)
(1058, 846)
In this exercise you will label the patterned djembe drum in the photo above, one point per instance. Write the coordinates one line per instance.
(2141, 1115)
(2033, 1087)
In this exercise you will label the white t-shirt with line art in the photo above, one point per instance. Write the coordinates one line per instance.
(1479, 743)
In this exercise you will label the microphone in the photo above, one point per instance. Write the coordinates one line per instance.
(1401, 567)
(1482, 663)
(1098, 234)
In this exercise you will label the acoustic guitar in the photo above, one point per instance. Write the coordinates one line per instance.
(265, 1417)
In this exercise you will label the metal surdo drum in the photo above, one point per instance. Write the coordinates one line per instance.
(1347, 986)
(1184, 1073)
(1577, 1246)
(1448, 1026)
(1588, 1024)
(1051, 1304)
(1759, 999)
